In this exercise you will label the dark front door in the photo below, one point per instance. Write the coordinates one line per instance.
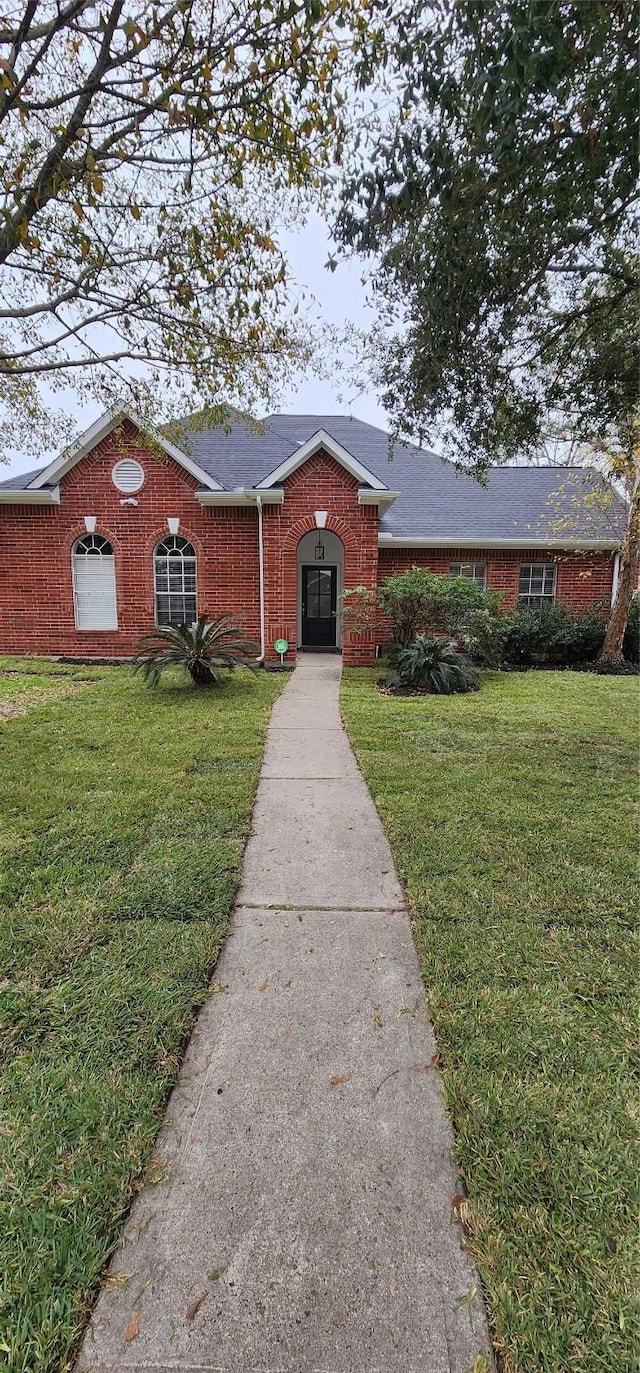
(319, 607)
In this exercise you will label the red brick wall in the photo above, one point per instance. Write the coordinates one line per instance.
(36, 591)
(320, 484)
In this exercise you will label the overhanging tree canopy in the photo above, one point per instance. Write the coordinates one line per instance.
(502, 207)
(143, 150)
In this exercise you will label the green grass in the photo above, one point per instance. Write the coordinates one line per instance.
(123, 820)
(510, 815)
(25, 683)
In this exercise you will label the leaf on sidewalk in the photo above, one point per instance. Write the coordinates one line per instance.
(194, 1306)
(133, 1327)
(339, 1081)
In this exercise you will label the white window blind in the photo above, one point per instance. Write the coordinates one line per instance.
(94, 583)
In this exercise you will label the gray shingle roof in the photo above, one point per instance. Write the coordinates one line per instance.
(19, 483)
(436, 501)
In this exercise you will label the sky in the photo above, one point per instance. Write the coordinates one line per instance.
(341, 299)
(337, 297)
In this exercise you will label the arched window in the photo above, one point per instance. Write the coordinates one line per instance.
(94, 583)
(175, 581)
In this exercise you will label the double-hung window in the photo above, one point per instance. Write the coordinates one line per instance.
(175, 581)
(537, 585)
(476, 572)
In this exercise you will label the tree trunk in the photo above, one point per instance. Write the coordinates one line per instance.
(611, 653)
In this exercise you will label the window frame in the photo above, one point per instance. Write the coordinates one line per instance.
(471, 576)
(98, 546)
(177, 540)
(530, 600)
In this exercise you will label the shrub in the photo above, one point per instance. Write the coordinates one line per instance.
(566, 639)
(359, 610)
(419, 600)
(483, 635)
(530, 638)
(434, 665)
(202, 649)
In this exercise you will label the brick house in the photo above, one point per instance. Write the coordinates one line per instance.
(271, 523)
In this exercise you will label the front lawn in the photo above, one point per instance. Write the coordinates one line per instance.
(29, 682)
(123, 819)
(511, 817)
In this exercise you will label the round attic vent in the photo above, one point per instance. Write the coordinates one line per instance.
(127, 475)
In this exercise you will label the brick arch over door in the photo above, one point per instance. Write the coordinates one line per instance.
(359, 536)
(333, 557)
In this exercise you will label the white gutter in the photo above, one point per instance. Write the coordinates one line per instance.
(244, 495)
(29, 496)
(400, 541)
(261, 578)
(616, 577)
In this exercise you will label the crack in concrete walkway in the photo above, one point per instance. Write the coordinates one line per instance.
(303, 1221)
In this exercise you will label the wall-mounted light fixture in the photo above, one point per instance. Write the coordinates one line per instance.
(90, 522)
(320, 518)
(173, 525)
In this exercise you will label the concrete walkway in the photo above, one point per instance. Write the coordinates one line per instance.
(305, 1220)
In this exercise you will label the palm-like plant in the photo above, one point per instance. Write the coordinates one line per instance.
(434, 665)
(202, 649)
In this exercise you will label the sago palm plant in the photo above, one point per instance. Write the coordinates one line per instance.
(203, 649)
(434, 665)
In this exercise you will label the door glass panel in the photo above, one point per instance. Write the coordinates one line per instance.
(318, 594)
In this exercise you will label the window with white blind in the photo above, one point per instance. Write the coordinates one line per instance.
(537, 585)
(476, 572)
(94, 583)
(175, 581)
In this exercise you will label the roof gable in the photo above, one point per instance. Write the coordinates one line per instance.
(100, 430)
(321, 440)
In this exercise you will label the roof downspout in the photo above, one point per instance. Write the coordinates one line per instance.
(261, 577)
(616, 577)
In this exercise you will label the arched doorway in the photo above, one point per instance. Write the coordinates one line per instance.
(320, 583)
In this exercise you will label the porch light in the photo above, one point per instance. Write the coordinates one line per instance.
(90, 522)
(319, 550)
(173, 524)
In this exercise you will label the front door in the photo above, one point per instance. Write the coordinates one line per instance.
(319, 585)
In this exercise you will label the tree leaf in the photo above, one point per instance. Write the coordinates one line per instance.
(194, 1306)
(133, 1328)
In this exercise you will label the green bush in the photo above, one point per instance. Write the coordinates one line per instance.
(567, 639)
(483, 635)
(551, 637)
(434, 665)
(419, 600)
